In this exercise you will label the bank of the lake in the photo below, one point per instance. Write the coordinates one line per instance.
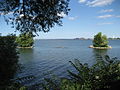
(25, 47)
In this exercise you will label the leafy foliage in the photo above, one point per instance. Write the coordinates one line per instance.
(25, 40)
(100, 76)
(104, 75)
(100, 40)
(17, 84)
(34, 15)
(8, 59)
(13, 86)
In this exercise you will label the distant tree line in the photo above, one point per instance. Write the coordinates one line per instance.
(114, 38)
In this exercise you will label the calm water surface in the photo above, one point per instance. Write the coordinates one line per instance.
(54, 56)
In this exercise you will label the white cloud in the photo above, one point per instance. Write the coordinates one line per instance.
(99, 3)
(108, 16)
(105, 16)
(82, 1)
(62, 14)
(72, 18)
(107, 23)
(106, 10)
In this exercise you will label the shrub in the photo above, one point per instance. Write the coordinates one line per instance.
(100, 40)
(8, 59)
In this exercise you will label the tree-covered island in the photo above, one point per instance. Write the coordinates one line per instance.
(100, 42)
(25, 40)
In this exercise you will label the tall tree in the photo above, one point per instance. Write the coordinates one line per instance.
(34, 15)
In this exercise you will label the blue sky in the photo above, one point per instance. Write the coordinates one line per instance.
(86, 18)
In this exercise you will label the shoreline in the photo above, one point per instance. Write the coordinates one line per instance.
(26, 47)
(91, 46)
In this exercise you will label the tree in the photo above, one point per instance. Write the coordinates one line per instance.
(100, 40)
(34, 15)
(25, 40)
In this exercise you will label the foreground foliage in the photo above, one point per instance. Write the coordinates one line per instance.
(8, 59)
(34, 15)
(104, 75)
(100, 40)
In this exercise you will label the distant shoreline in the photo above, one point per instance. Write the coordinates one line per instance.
(72, 39)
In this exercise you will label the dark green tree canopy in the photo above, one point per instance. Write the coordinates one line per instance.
(34, 15)
(8, 59)
(100, 40)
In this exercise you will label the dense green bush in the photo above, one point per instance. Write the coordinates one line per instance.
(100, 40)
(8, 59)
(25, 40)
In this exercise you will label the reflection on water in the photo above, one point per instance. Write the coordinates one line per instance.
(99, 53)
(26, 54)
(26, 50)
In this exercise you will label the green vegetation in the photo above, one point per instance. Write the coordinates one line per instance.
(8, 59)
(26, 16)
(100, 40)
(34, 15)
(104, 75)
(25, 40)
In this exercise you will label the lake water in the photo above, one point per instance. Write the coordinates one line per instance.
(54, 56)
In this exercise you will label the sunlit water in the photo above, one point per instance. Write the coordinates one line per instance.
(54, 56)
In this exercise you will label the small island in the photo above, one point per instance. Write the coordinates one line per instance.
(25, 40)
(100, 42)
